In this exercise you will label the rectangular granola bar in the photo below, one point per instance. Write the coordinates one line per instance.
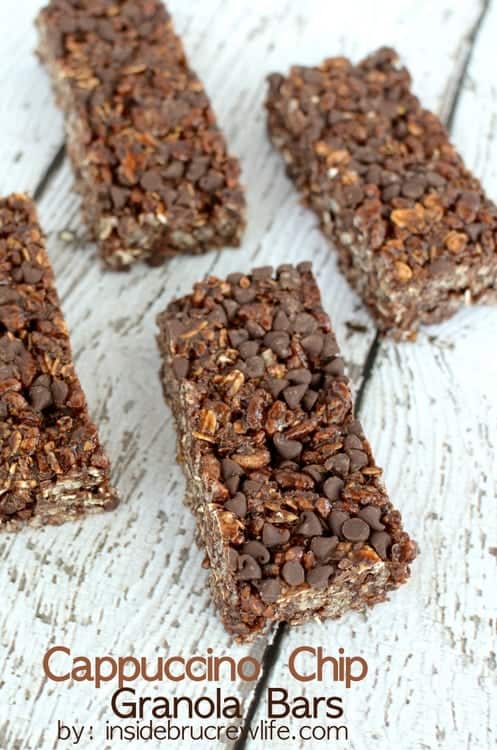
(415, 233)
(150, 161)
(52, 466)
(288, 499)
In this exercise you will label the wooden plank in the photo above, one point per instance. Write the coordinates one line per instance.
(132, 582)
(31, 126)
(429, 410)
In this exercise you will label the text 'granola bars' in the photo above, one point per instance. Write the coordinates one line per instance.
(415, 233)
(151, 163)
(52, 466)
(288, 499)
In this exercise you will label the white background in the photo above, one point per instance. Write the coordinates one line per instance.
(132, 581)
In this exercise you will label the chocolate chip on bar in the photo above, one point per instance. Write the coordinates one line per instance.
(52, 466)
(415, 233)
(150, 161)
(288, 499)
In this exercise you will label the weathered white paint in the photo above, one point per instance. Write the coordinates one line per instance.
(131, 581)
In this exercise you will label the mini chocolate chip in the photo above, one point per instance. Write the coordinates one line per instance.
(319, 577)
(293, 573)
(355, 530)
(263, 272)
(390, 192)
(218, 315)
(231, 308)
(211, 181)
(248, 349)
(9, 295)
(40, 394)
(313, 344)
(352, 442)
(60, 392)
(230, 468)
(309, 524)
(254, 329)
(257, 550)
(355, 428)
(276, 385)
(272, 535)
(358, 459)
(244, 295)
(31, 274)
(309, 399)
(237, 336)
(252, 486)
(281, 322)
(339, 463)
(278, 342)
(372, 515)
(237, 505)
(323, 547)
(335, 521)
(287, 448)
(255, 367)
(233, 483)
(270, 590)
(180, 367)
(232, 559)
(175, 328)
(380, 542)
(300, 375)
(316, 472)
(332, 488)
(336, 367)
(119, 196)
(294, 394)
(174, 170)
(305, 323)
(414, 187)
(330, 346)
(234, 278)
(151, 180)
(197, 168)
(248, 568)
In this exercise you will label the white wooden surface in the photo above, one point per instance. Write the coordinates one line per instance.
(131, 581)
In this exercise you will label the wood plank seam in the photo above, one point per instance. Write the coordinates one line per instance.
(49, 173)
(269, 659)
(471, 42)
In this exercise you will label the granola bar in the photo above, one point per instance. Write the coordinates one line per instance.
(52, 466)
(289, 502)
(150, 161)
(415, 233)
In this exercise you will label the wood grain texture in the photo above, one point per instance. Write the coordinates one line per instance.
(131, 581)
(32, 129)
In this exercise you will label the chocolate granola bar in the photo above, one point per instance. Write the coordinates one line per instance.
(52, 466)
(415, 233)
(289, 502)
(151, 163)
